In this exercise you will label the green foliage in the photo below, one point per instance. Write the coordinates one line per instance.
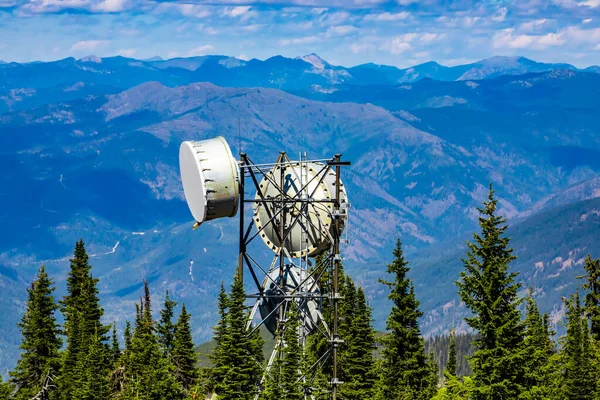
(165, 327)
(539, 347)
(241, 352)
(217, 356)
(115, 351)
(6, 389)
(41, 341)
(183, 355)
(489, 290)
(451, 366)
(82, 312)
(284, 380)
(91, 372)
(579, 375)
(454, 388)
(147, 371)
(592, 298)
(439, 345)
(406, 372)
(358, 358)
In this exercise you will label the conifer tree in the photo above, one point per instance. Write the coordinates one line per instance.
(239, 350)
(115, 351)
(127, 335)
(451, 365)
(82, 312)
(92, 383)
(489, 290)
(5, 389)
(290, 358)
(592, 298)
(183, 354)
(165, 327)
(538, 348)
(578, 380)
(41, 341)
(218, 356)
(359, 362)
(148, 372)
(405, 369)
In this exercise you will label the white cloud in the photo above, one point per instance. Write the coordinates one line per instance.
(500, 14)
(590, 3)
(253, 27)
(361, 47)
(88, 45)
(187, 10)
(587, 21)
(386, 16)
(200, 50)
(533, 25)
(400, 44)
(597, 47)
(244, 12)
(507, 39)
(301, 40)
(110, 6)
(243, 57)
(340, 30)
(127, 52)
(432, 37)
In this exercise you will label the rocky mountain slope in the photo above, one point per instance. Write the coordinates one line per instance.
(89, 149)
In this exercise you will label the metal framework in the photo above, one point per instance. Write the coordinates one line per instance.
(283, 221)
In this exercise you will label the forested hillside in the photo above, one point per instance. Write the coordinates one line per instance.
(512, 353)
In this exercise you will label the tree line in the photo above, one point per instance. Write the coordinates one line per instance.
(510, 354)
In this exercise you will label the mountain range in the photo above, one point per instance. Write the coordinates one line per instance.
(89, 149)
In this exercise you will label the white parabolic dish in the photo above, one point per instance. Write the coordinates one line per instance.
(313, 230)
(209, 175)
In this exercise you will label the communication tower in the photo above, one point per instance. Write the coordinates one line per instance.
(299, 210)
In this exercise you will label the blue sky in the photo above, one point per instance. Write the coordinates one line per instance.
(344, 32)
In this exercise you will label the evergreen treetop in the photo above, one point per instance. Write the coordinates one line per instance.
(451, 365)
(165, 327)
(489, 290)
(242, 376)
(183, 354)
(592, 298)
(405, 369)
(41, 339)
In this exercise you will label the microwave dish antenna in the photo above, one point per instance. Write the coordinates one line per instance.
(308, 194)
(210, 178)
(299, 209)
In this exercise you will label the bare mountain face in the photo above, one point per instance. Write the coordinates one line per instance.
(89, 149)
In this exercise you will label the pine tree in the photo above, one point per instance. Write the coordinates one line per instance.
(115, 351)
(183, 354)
(82, 312)
(240, 364)
(592, 298)
(148, 372)
(452, 366)
(405, 369)
(489, 290)
(91, 370)
(359, 362)
(6, 389)
(165, 327)
(127, 335)
(218, 356)
(291, 358)
(41, 341)
(578, 380)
